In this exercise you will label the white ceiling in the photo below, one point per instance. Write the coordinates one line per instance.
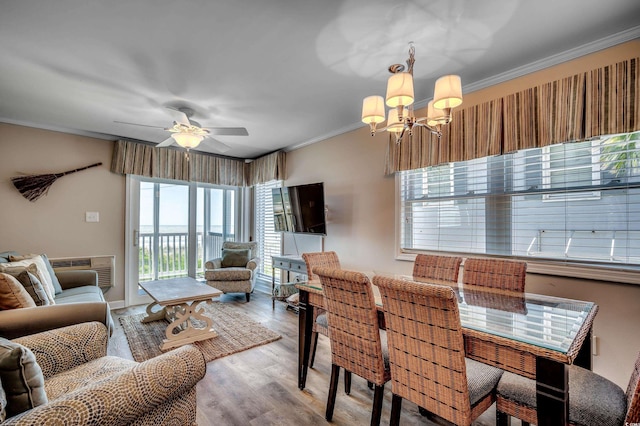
(291, 71)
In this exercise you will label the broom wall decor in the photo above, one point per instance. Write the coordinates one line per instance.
(33, 187)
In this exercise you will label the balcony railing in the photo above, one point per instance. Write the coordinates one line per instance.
(173, 253)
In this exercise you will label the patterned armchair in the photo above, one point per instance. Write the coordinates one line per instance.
(85, 386)
(235, 270)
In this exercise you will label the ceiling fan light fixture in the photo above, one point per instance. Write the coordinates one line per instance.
(187, 140)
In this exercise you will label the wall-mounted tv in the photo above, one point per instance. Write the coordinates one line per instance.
(300, 209)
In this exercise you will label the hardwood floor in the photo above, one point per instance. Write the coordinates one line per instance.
(259, 386)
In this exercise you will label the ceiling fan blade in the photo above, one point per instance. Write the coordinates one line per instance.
(166, 142)
(142, 125)
(179, 116)
(227, 131)
(215, 144)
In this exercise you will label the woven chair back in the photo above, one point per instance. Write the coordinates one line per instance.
(633, 395)
(435, 267)
(426, 347)
(353, 323)
(328, 259)
(495, 273)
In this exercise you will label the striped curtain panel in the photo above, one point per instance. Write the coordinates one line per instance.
(561, 111)
(145, 160)
(600, 102)
(267, 168)
(613, 99)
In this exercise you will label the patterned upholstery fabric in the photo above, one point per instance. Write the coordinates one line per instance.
(233, 279)
(593, 400)
(90, 388)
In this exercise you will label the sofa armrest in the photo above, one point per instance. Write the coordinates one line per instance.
(214, 263)
(21, 322)
(121, 399)
(81, 342)
(253, 264)
(71, 279)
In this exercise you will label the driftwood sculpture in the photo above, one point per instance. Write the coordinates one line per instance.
(33, 187)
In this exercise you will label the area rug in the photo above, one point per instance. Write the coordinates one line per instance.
(236, 332)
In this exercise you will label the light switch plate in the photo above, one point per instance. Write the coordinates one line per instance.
(92, 216)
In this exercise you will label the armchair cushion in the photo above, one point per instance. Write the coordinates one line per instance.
(228, 274)
(12, 294)
(234, 257)
(21, 377)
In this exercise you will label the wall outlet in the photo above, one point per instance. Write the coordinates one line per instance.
(92, 216)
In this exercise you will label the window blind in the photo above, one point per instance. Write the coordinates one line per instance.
(573, 202)
(268, 239)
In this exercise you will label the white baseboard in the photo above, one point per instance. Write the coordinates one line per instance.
(117, 304)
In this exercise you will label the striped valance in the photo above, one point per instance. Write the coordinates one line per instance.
(145, 160)
(600, 102)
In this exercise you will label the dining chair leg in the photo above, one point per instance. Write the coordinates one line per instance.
(378, 396)
(333, 388)
(347, 382)
(314, 344)
(396, 405)
(503, 419)
(370, 385)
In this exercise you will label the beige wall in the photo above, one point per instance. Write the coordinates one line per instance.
(361, 226)
(55, 224)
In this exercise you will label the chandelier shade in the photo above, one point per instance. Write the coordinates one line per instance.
(187, 140)
(394, 124)
(435, 116)
(448, 92)
(400, 90)
(373, 110)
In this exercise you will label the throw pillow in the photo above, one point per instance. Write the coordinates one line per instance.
(27, 276)
(22, 378)
(234, 258)
(43, 273)
(12, 294)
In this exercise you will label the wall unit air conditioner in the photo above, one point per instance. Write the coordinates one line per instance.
(103, 265)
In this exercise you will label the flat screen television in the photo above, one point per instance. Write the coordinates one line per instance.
(300, 209)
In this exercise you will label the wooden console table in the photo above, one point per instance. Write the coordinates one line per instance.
(289, 263)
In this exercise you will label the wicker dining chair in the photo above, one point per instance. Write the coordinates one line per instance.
(593, 400)
(426, 353)
(354, 333)
(330, 260)
(437, 267)
(495, 273)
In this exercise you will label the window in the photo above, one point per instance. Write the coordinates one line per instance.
(268, 238)
(575, 202)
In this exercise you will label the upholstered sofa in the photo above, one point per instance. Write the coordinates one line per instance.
(64, 377)
(235, 270)
(77, 299)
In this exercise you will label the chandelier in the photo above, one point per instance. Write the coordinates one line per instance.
(400, 97)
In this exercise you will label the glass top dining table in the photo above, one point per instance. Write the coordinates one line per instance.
(529, 334)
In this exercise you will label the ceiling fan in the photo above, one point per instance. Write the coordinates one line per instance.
(189, 133)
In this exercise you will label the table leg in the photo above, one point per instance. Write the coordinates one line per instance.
(305, 329)
(181, 330)
(273, 288)
(584, 357)
(552, 392)
(154, 315)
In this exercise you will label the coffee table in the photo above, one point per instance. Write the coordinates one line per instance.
(178, 299)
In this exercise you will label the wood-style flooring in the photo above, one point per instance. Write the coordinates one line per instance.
(259, 386)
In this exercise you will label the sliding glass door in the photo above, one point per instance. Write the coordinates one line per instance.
(174, 227)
